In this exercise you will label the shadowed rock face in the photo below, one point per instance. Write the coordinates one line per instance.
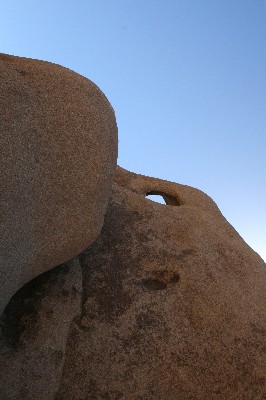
(172, 307)
(58, 144)
(37, 322)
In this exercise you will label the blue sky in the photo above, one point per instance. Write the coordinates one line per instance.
(187, 79)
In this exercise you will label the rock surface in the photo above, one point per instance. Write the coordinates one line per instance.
(39, 318)
(173, 306)
(58, 145)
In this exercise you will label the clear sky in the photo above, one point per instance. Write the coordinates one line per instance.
(187, 79)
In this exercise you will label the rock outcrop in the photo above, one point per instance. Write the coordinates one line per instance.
(38, 322)
(58, 149)
(172, 307)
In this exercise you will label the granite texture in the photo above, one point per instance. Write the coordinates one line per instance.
(38, 321)
(172, 306)
(58, 144)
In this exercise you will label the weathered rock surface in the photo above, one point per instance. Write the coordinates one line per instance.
(38, 320)
(173, 305)
(58, 145)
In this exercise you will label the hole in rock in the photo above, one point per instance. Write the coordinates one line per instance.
(157, 198)
(162, 198)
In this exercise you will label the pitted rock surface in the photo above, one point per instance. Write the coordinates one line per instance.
(58, 144)
(173, 303)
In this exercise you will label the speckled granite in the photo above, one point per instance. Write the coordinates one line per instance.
(172, 306)
(58, 144)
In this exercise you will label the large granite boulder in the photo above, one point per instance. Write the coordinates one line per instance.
(172, 308)
(58, 144)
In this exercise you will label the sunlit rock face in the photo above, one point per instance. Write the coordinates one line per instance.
(171, 307)
(58, 140)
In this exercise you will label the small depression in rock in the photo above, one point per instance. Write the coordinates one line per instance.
(153, 284)
(162, 198)
(175, 278)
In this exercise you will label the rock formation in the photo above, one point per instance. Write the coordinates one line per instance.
(167, 304)
(58, 145)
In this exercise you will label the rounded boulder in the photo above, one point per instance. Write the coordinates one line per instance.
(58, 157)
